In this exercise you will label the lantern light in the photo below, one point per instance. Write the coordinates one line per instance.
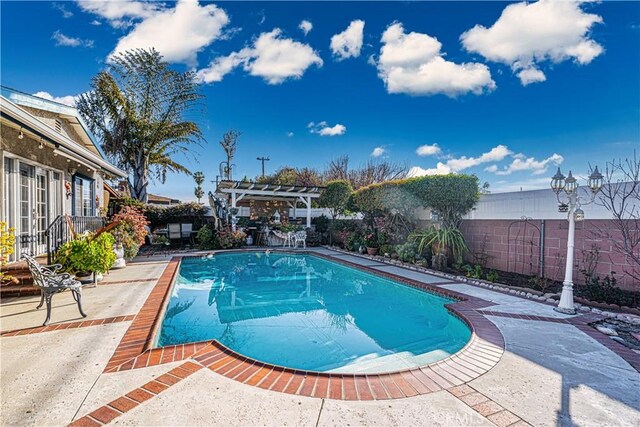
(570, 184)
(557, 182)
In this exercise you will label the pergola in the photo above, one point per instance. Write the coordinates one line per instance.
(291, 194)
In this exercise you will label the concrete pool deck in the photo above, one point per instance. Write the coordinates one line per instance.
(551, 373)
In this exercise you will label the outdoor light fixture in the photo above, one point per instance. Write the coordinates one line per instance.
(570, 184)
(571, 204)
(41, 145)
(595, 181)
(20, 134)
(557, 182)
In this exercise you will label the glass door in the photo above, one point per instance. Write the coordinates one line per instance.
(25, 233)
(41, 214)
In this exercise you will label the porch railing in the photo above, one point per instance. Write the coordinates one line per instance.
(59, 232)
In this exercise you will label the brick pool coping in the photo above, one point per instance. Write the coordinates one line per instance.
(480, 354)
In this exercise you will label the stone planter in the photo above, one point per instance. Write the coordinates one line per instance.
(372, 251)
(120, 261)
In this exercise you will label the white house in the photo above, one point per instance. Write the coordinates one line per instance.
(51, 166)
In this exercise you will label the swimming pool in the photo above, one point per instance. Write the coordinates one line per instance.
(304, 312)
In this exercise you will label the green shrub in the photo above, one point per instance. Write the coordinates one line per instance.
(207, 237)
(407, 252)
(474, 272)
(86, 254)
(492, 275)
(606, 290)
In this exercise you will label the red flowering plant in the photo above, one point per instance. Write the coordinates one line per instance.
(131, 230)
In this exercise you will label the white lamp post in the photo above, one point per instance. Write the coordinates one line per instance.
(572, 205)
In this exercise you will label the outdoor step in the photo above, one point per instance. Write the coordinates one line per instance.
(18, 291)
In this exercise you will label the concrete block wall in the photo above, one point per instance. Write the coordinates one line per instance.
(514, 246)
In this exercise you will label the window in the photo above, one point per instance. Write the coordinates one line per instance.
(83, 196)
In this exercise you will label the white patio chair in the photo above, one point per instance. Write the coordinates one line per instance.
(300, 237)
(51, 282)
(174, 232)
(288, 240)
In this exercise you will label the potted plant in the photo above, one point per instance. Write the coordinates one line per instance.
(87, 257)
(442, 240)
(372, 243)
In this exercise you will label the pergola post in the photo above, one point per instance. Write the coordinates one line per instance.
(233, 213)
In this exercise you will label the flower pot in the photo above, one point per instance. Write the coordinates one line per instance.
(84, 277)
(120, 261)
(372, 251)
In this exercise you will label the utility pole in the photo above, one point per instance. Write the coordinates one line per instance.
(263, 159)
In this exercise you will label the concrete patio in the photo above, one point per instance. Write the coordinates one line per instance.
(550, 374)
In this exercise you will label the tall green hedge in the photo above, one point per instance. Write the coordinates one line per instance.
(451, 196)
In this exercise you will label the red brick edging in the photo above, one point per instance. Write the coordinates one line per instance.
(70, 325)
(112, 410)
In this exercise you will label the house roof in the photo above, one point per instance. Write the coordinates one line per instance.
(88, 148)
(151, 198)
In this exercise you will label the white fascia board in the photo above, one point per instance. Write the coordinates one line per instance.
(285, 194)
(22, 116)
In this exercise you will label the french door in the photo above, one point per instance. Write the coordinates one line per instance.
(38, 200)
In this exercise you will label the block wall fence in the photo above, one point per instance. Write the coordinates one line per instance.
(515, 246)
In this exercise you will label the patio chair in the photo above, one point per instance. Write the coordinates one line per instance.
(300, 237)
(288, 240)
(174, 232)
(186, 231)
(51, 282)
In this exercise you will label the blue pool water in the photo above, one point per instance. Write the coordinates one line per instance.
(308, 313)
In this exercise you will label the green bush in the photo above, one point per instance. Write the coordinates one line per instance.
(160, 216)
(407, 252)
(207, 237)
(86, 254)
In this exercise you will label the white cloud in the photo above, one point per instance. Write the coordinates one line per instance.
(531, 75)
(348, 43)
(527, 34)
(428, 150)
(378, 151)
(177, 33)
(96, 23)
(290, 134)
(523, 163)
(323, 129)
(454, 165)
(272, 57)
(61, 7)
(413, 64)
(66, 100)
(120, 13)
(63, 40)
(305, 26)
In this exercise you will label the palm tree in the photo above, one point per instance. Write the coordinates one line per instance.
(198, 177)
(137, 108)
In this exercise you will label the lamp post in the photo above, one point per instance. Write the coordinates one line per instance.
(571, 204)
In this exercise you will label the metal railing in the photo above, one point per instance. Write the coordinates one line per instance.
(60, 232)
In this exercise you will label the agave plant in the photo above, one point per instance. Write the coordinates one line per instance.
(441, 240)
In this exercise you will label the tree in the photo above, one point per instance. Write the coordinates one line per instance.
(372, 172)
(136, 107)
(229, 143)
(198, 177)
(620, 195)
(335, 197)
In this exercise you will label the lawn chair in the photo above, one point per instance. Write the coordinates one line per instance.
(300, 237)
(186, 231)
(51, 282)
(174, 233)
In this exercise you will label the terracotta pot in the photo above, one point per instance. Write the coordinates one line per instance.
(372, 251)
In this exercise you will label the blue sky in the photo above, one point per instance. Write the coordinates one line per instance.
(503, 90)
